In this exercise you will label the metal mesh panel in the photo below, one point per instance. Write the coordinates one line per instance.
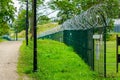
(58, 36)
(80, 40)
(78, 32)
(111, 57)
(99, 52)
(51, 31)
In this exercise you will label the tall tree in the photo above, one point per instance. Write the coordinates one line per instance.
(39, 2)
(69, 8)
(19, 23)
(6, 15)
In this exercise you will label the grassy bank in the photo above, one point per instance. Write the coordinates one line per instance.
(56, 61)
(44, 27)
(0, 40)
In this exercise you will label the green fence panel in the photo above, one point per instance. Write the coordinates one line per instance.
(56, 36)
(82, 42)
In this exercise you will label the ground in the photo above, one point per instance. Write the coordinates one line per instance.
(9, 52)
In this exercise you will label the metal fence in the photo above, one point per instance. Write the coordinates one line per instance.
(86, 33)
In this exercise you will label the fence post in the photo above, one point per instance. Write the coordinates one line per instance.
(104, 51)
(104, 35)
(93, 52)
(116, 53)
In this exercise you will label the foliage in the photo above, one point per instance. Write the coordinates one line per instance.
(69, 8)
(56, 61)
(30, 1)
(22, 34)
(4, 29)
(40, 29)
(6, 15)
(6, 10)
(43, 19)
(20, 22)
(31, 9)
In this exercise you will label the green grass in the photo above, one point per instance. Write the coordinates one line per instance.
(56, 61)
(110, 60)
(1, 40)
(111, 55)
(99, 61)
(44, 27)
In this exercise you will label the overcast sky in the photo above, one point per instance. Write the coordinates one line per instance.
(117, 21)
(17, 5)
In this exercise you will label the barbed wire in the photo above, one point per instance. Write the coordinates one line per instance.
(92, 18)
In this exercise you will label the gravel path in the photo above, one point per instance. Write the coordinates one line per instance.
(9, 52)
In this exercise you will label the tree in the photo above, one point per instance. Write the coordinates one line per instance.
(39, 2)
(69, 8)
(7, 11)
(43, 19)
(20, 22)
(4, 29)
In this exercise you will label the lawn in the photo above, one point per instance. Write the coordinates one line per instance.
(0, 40)
(56, 61)
(110, 60)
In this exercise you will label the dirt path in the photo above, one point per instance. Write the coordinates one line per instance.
(8, 60)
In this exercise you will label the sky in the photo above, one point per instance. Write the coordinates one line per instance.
(117, 21)
(17, 5)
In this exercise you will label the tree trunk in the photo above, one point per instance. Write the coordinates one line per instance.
(31, 26)
(31, 22)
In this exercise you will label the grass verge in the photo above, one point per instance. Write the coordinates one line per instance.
(56, 61)
(1, 40)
